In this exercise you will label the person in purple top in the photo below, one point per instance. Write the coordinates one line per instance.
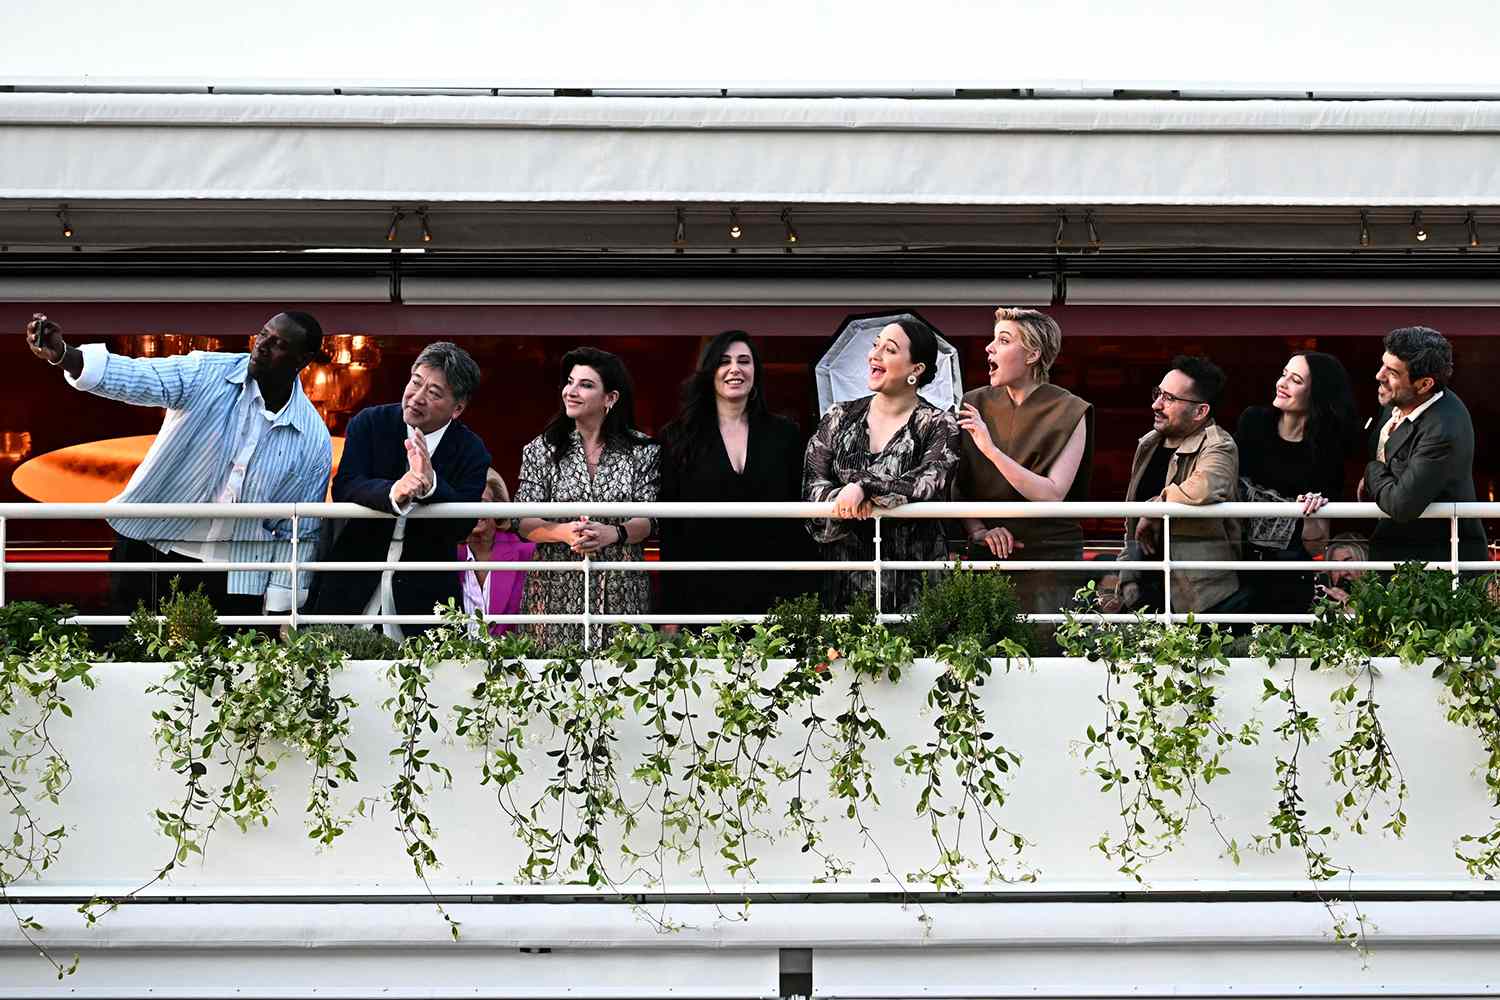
(494, 592)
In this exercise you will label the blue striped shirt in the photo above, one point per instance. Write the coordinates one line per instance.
(190, 458)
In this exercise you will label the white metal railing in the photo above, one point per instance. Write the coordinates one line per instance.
(294, 513)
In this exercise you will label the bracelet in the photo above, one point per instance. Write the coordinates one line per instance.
(624, 535)
(61, 357)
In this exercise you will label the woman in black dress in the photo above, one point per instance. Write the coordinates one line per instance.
(1294, 449)
(725, 445)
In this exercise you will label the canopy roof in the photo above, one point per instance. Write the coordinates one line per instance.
(163, 169)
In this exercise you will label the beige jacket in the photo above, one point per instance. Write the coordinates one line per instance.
(1205, 470)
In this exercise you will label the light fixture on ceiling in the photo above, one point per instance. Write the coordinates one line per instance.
(390, 232)
(786, 220)
(1057, 237)
(1473, 225)
(679, 235)
(426, 227)
(67, 225)
(1095, 243)
(1364, 228)
(1417, 229)
(735, 231)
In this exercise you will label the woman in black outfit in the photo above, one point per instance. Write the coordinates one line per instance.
(724, 445)
(1294, 449)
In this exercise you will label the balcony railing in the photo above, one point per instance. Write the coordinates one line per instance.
(301, 560)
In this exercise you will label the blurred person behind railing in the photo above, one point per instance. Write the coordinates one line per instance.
(725, 445)
(1186, 458)
(1026, 439)
(495, 592)
(883, 450)
(1333, 582)
(1422, 447)
(590, 452)
(238, 429)
(1294, 448)
(397, 456)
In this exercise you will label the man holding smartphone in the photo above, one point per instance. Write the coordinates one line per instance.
(238, 428)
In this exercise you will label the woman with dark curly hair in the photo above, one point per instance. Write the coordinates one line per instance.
(590, 452)
(883, 450)
(725, 445)
(1294, 449)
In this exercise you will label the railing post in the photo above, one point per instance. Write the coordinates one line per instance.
(879, 605)
(296, 589)
(1453, 544)
(588, 596)
(1166, 568)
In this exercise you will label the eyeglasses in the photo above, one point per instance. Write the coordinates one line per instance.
(1157, 392)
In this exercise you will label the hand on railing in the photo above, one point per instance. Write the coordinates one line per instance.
(851, 502)
(1147, 535)
(1311, 503)
(999, 541)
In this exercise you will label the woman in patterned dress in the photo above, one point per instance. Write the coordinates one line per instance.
(883, 450)
(590, 452)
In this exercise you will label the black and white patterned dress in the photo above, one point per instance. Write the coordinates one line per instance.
(623, 475)
(915, 464)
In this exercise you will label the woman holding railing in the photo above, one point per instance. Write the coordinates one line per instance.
(590, 452)
(1294, 448)
(883, 450)
(725, 445)
(1026, 439)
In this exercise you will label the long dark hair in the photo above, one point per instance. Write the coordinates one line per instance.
(1332, 417)
(689, 433)
(619, 429)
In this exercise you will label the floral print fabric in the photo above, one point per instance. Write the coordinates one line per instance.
(915, 464)
(623, 475)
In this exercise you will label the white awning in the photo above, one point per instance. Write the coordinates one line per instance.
(547, 172)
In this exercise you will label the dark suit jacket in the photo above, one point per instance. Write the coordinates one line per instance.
(1429, 460)
(374, 458)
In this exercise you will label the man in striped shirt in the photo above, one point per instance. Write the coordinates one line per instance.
(238, 428)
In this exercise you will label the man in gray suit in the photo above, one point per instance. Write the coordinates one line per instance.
(1423, 448)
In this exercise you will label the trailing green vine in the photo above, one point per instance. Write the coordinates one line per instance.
(1163, 737)
(233, 711)
(34, 772)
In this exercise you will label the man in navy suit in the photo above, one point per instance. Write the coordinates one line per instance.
(1423, 448)
(397, 456)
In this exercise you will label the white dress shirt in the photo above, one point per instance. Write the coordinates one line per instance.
(383, 600)
(1397, 417)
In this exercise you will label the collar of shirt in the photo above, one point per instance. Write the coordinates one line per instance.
(433, 440)
(1414, 414)
(240, 374)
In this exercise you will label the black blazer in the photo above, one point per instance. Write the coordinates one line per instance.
(1429, 460)
(374, 458)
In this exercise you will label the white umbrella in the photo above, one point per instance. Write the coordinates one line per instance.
(843, 370)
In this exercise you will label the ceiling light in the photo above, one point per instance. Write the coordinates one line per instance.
(679, 236)
(390, 233)
(67, 226)
(1417, 229)
(786, 219)
(1057, 237)
(1364, 228)
(735, 232)
(426, 228)
(1094, 241)
(1473, 225)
